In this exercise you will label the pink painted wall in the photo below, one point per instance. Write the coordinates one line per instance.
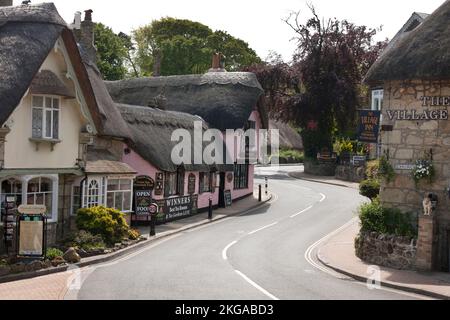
(143, 167)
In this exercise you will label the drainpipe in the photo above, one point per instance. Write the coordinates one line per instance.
(63, 207)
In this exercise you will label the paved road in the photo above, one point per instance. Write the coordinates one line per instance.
(260, 255)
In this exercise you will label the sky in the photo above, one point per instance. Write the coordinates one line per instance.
(258, 22)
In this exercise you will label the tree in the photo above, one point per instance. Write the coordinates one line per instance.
(186, 47)
(321, 90)
(111, 53)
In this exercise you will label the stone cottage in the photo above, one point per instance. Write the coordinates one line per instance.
(414, 72)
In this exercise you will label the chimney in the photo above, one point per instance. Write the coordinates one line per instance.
(76, 25)
(157, 63)
(6, 3)
(86, 35)
(218, 65)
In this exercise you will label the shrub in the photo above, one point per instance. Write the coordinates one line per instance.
(375, 218)
(53, 253)
(372, 170)
(290, 156)
(370, 188)
(107, 222)
(385, 169)
(85, 240)
(133, 234)
(343, 146)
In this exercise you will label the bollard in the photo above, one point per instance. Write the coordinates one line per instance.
(210, 209)
(260, 193)
(152, 225)
(267, 186)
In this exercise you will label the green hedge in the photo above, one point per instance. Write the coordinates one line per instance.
(107, 222)
(370, 188)
(376, 218)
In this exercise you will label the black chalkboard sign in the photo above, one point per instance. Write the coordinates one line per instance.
(227, 197)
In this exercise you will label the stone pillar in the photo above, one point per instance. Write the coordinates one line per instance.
(424, 258)
(3, 132)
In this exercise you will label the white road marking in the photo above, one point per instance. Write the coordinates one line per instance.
(323, 197)
(303, 211)
(263, 228)
(264, 291)
(224, 251)
(309, 251)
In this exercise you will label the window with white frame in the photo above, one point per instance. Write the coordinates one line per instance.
(39, 192)
(119, 194)
(76, 199)
(45, 117)
(102, 191)
(10, 187)
(93, 194)
(377, 99)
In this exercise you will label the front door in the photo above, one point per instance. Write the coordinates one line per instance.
(222, 190)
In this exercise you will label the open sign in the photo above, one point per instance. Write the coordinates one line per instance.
(153, 208)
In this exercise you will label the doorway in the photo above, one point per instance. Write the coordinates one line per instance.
(222, 190)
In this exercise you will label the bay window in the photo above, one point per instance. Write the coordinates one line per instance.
(39, 192)
(119, 194)
(45, 117)
(110, 192)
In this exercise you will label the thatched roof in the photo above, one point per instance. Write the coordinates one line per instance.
(289, 137)
(27, 34)
(224, 100)
(113, 123)
(100, 161)
(46, 82)
(423, 53)
(152, 131)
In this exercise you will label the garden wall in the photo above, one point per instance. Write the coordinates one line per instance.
(386, 250)
(350, 173)
(320, 168)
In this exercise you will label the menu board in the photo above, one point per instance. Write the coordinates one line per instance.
(228, 199)
(31, 235)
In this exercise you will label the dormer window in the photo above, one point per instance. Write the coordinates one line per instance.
(45, 115)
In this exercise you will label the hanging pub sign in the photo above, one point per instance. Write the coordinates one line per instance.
(175, 208)
(368, 126)
(144, 182)
(191, 183)
(31, 231)
(143, 189)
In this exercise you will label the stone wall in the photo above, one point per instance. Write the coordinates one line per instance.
(409, 141)
(350, 173)
(320, 168)
(385, 250)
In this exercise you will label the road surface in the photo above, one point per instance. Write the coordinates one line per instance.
(265, 254)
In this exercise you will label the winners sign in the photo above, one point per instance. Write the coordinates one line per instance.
(368, 126)
(175, 208)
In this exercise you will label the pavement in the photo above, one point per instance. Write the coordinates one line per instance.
(326, 180)
(338, 253)
(55, 286)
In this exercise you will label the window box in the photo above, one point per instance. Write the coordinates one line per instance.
(38, 141)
